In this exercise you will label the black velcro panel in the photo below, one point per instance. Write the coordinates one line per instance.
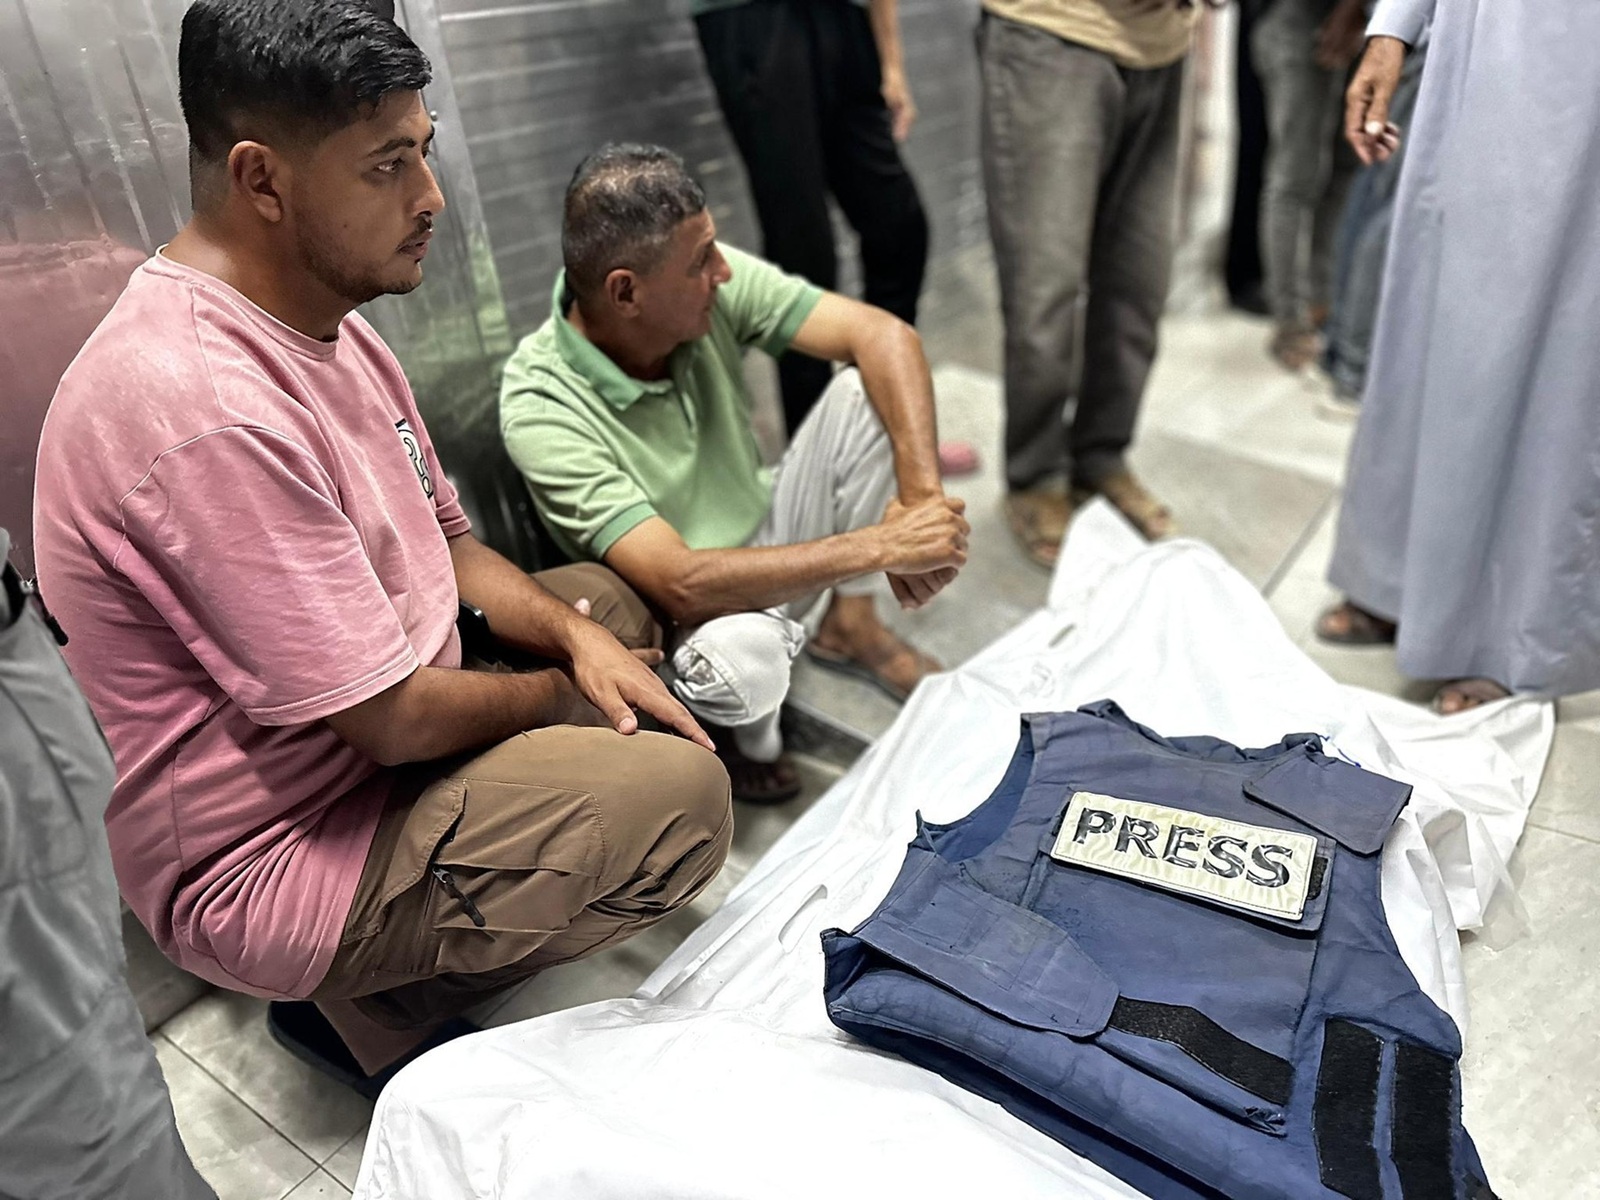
(1344, 1116)
(1319, 876)
(1209, 1044)
(1424, 1117)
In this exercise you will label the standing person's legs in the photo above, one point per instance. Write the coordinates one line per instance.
(1130, 267)
(760, 57)
(1342, 165)
(1300, 96)
(1243, 272)
(1368, 217)
(1050, 114)
(865, 171)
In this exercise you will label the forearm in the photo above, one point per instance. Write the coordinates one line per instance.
(519, 611)
(886, 33)
(436, 712)
(714, 583)
(899, 386)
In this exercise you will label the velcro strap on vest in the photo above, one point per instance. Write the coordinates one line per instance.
(1424, 1118)
(1344, 1113)
(1000, 957)
(1209, 1044)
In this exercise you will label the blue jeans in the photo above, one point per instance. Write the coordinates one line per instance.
(1362, 245)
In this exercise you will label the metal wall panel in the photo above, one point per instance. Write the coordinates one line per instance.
(94, 177)
(543, 82)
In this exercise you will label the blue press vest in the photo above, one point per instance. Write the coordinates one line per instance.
(1190, 1046)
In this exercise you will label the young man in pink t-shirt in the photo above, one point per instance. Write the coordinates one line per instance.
(242, 526)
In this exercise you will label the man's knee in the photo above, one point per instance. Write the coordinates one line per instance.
(735, 669)
(612, 603)
(688, 801)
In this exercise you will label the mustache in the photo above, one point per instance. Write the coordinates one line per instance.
(424, 228)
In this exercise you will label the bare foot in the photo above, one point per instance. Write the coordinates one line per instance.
(1460, 695)
(852, 639)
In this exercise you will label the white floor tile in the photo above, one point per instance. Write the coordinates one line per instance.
(1531, 1073)
(235, 1150)
(227, 1034)
(1569, 801)
(345, 1162)
(319, 1186)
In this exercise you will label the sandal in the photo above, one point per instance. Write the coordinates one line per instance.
(755, 782)
(1133, 500)
(1038, 518)
(1462, 695)
(1348, 624)
(1295, 349)
(957, 458)
(871, 669)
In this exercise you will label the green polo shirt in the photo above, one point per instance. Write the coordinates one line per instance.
(602, 451)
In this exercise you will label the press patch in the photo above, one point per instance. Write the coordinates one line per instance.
(1243, 866)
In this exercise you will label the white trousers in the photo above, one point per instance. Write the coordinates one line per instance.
(837, 475)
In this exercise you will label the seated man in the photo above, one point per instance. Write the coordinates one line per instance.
(244, 530)
(628, 416)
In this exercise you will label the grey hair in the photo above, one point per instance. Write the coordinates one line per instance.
(623, 205)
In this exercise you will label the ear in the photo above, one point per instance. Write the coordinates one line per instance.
(257, 173)
(622, 290)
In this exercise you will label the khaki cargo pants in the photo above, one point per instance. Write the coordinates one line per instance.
(538, 851)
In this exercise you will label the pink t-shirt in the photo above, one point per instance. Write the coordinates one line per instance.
(242, 530)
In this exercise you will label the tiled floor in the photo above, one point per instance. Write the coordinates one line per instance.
(1239, 449)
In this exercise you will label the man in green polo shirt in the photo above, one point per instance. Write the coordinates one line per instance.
(628, 417)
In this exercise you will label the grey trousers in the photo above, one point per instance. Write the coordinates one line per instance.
(1080, 162)
(84, 1111)
(1308, 166)
(837, 475)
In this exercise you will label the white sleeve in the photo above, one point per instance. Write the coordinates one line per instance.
(1403, 19)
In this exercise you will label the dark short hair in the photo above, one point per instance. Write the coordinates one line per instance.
(623, 205)
(296, 68)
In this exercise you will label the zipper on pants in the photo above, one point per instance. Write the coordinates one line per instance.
(448, 882)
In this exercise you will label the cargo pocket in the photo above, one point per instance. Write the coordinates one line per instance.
(512, 872)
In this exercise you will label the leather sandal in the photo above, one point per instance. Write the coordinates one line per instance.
(753, 782)
(1133, 500)
(1039, 518)
(1348, 624)
(870, 669)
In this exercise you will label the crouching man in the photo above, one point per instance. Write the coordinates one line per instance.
(628, 416)
(243, 527)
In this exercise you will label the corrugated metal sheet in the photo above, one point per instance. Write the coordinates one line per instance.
(543, 82)
(93, 177)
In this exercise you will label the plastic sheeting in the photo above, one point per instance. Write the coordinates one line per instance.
(722, 1079)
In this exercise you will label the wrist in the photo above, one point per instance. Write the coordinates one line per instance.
(869, 550)
(575, 633)
(921, 491)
